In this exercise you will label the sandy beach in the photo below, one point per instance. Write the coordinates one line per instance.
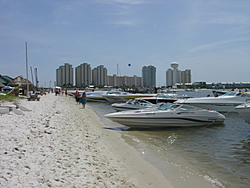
(60, 144)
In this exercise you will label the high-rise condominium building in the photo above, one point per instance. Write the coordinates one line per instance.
(83, 75)
(64, 75)
(99, 76)
(149, 76)
(124, 81)
(174, 76)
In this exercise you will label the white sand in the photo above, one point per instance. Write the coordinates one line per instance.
(58, 144)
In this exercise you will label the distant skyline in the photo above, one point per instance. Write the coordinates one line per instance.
(211, 38)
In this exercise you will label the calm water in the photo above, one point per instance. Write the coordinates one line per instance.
(219, 154)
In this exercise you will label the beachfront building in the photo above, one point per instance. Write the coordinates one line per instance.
(83, 75)
(99, 76)
(121, 81)
(175, 76)
(149, 76)
(64, 75)
(186, 76)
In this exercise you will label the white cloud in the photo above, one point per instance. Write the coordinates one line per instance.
(129, 2)
(123, 23)
(215, 44)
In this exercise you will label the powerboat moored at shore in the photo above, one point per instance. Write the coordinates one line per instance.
(224, 103)
(118, 96)
(167, 115)
(95, 96)
(165, 97)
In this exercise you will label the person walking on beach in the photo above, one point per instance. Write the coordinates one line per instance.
(83, 99)
(77, 97)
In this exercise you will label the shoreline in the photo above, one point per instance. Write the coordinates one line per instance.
(58, 144)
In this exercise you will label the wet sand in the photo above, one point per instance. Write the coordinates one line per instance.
(60, 144)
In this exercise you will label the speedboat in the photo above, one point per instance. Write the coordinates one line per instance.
(95, 96)
(244, 111)
(165, 97)
(224, 103)
(132, 104)
(167, 115)
(119, 96)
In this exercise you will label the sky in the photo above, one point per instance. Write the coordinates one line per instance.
(211, 38)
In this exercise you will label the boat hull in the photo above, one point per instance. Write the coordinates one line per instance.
(96, 99)
(166, 119)
(220, 107)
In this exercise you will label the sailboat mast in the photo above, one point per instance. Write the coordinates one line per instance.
(31, 74)
(27, 73)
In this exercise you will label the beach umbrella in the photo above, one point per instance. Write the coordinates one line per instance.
(19, 80)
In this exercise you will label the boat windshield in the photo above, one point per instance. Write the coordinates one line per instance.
(156, 106)
(233, 93)
(165, 96)
(182, 107)
(169, 106)
(230, 93)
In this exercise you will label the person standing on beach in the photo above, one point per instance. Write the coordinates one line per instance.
(83, 99)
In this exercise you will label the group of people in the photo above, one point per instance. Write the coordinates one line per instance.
(61, 92)
(81, 98)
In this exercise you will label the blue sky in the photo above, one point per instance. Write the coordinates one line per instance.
(212, 38)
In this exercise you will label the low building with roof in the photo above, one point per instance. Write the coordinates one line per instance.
(5, 79)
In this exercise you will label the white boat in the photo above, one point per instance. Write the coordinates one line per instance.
(167, 115)
(164, 97)
(119, 96)
(96, 96)
(224, 103)
(132, 104)
(244, 111)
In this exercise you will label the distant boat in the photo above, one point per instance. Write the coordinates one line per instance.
(165, 97)
(119, 96)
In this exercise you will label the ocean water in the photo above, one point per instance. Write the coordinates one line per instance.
(218, 154)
